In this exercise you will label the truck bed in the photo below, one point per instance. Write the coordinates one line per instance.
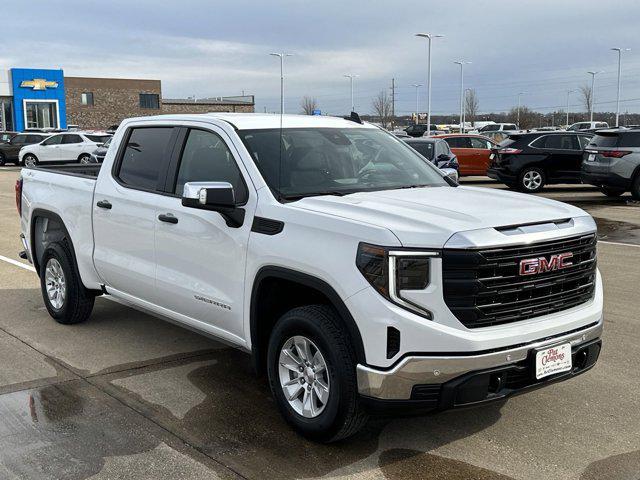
(85, 170)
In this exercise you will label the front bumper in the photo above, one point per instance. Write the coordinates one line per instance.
(425, 380)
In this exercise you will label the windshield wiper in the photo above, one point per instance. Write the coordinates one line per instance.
(298, 196)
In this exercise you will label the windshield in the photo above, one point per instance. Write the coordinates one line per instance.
(98, 138)
(337, 161)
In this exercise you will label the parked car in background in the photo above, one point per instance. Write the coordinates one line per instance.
(472, 152)
(6, 136)
(400, 134)
(10, 150)
(97, 156)
(581, 126)
(419, 130)
(436, 150)
(61, 148)
(529, 161)
(498, 127)
(612, 162)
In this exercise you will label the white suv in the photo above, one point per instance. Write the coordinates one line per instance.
(64, 147)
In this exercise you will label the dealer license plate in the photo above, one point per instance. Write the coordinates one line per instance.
(591, 157)
(552, 360)
(491, 157)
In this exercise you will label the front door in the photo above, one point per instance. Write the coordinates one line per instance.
(200, 259)
(124, 206)
(49, 150)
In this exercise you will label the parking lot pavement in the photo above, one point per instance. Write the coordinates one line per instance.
(125, 395)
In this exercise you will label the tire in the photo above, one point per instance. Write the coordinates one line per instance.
(3, 160)
(58, 272)
(635, 187)
(612, 192)
(84, 158)
(531, 180)
(341, 414)
(30, 160)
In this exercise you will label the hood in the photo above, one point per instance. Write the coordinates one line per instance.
(428, 217)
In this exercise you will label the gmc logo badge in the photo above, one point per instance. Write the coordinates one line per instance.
(533, 266)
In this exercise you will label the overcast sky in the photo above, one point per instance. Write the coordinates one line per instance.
(210, 48)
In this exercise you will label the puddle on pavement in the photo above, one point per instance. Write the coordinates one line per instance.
(405, 464)
(617, 231)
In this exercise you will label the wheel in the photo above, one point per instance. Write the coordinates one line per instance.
(30, 160)
(635, 187)
(312, 374)
(2, 160)
(612, 192)
(84, 158)
(531, 180)
(66, 299)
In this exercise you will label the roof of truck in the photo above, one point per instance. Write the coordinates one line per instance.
(252, 121)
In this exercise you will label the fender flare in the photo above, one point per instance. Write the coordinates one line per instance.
(41, 213)
(308, 281)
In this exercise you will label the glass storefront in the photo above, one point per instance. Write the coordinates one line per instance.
(41, 114)
(6, 115)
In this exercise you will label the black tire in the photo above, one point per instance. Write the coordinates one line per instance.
(612, 192)
(343, 415)
(84, 158)
(635, 187)
(78, 301)
(28, 156)
(531, 187)
(2, 160)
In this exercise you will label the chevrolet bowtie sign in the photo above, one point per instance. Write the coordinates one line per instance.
(38, 84)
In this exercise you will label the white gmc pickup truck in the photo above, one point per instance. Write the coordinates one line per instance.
(358, 276)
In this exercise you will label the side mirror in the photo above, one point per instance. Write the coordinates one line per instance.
(215, 196)
(450, 175)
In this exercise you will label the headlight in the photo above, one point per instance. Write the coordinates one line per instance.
(391, 271)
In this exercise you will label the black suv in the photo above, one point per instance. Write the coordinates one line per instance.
(9, 151)
(529, 161)
(420, 129)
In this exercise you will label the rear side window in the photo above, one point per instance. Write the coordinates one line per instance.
(206, 158)
(143, 156)
(584, 141)
(67, 139)
(458, 142)
(606, 141)
(629, 139)
(556, 142)
(479, 143)
(509, 126)
(98, 138)
(424, 148)
(19, 139)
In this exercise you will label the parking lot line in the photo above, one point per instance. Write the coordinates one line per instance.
(17, 263)
(618, 243)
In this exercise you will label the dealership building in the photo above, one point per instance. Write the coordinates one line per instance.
(45, 98)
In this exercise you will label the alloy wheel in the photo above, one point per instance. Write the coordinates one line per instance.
(532, 180)
(30, 161)
(55, 283)
(304, 376)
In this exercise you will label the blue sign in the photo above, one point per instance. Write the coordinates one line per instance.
(38, 98)
(316, 112)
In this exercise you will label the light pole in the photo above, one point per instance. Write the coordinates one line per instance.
(569, 92)
(351, 76)
(519, 101)
(462, 63)
(281, 56)
(429, 36)
(417, 86)
(619, 50)
(593, 93)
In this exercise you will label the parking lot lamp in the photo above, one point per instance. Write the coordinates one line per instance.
(429, 36)
(281, 56)
(593, 93)
(619, 50)
(351, 76)
(569, 92)
(462, 63)
(519, 102)
(417, 86)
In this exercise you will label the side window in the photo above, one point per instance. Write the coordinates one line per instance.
(55, 140)
(539, 142)
(206, 158)
(32, 139)
(19, 139)
(423, 148)
(69, 139)
(478, 143)
(458, 142)
(143, 156)
(584, 141)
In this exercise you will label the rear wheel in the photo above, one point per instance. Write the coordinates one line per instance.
(531, 180)
(635, 187)
(312, 374)
(612, 192)
(30, 160)
(66, 298)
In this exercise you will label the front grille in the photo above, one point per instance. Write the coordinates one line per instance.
(483, 287)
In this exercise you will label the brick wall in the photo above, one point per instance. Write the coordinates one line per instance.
(168, 107)
(114, 100)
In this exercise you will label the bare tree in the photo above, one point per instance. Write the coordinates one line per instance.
(471, 106)
(528, 117)
(585, 97)
(382, 108)
(308, 105)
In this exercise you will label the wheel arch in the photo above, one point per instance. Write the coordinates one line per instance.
(56, 228)
(269, 277)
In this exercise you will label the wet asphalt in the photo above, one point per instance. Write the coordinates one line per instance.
(128, 396)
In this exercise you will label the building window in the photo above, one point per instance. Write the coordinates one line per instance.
(149, 100)
(87, 98)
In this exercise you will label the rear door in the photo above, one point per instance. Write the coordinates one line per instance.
(565, 157)
(124, 211)
(70, 147)
(200, 259)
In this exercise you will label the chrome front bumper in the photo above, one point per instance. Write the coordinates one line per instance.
(397, 383)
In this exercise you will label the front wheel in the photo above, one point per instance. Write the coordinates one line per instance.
(84, 159)
(30, 160)
(531, 180)
(312, 374)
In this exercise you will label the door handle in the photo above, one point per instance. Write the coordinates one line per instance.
(168, 218)
(104, 204)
